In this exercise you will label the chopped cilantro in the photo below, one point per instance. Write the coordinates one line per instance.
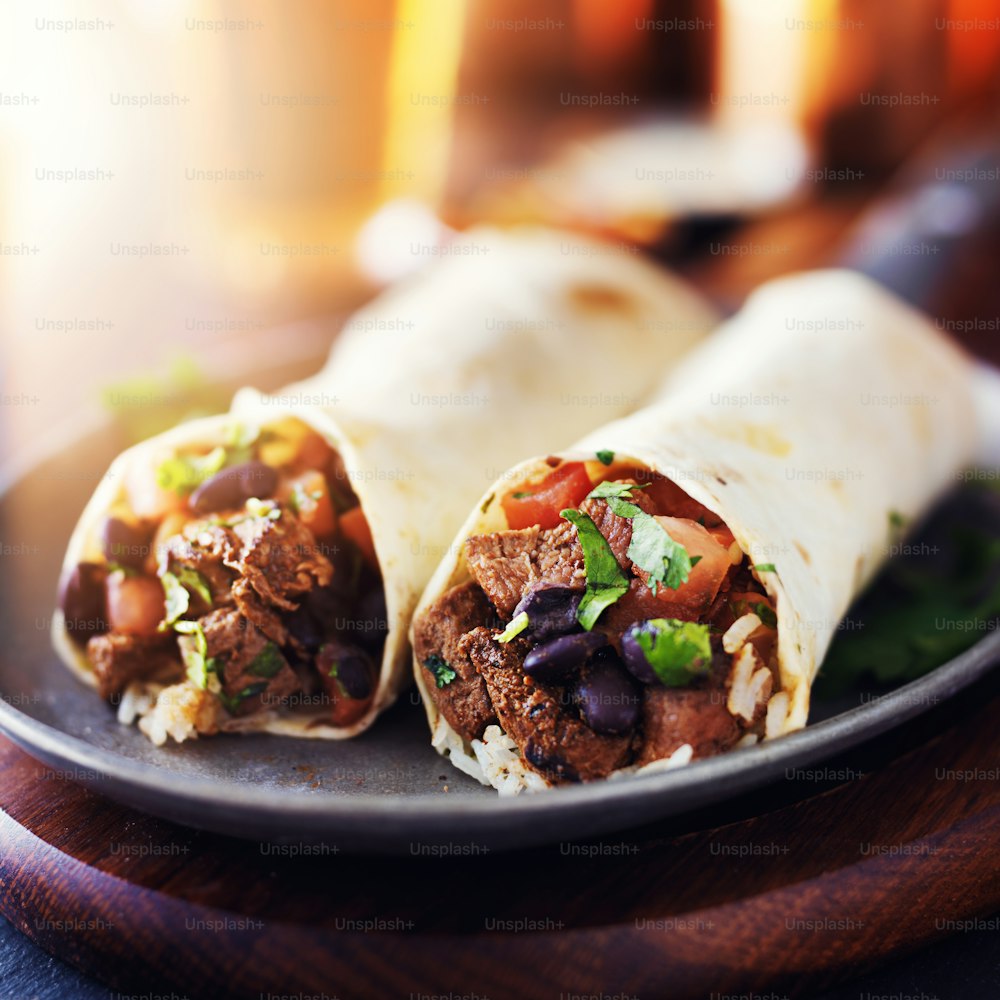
(523, 494)
(514, 628)
(194, 652)
(438, 666)
(267, 662)
(334, 672)
(263, 508)
(765, 613)
(606, 581)
(764, 568)
(177, 589)
(651, 549)
(667, 562)
(612, 488)
(896, 520)
(677, 651)
(233, 702)
(605, 457)
(299, 497)
(177, 600)
(182, 473)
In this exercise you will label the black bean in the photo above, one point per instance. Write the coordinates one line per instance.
(304, 627)
(124, 543)
(558, 657)
(83, 601)
(549, 762)
(370, 622)
(608, 698)
(328, 607)
(635, 656)
(550, 610)
(233, 486)
(354, 668)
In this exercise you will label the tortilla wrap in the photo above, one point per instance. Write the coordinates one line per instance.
(513, 343)
(819, 423)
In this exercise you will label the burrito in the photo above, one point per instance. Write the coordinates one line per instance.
(257, 571)
(666, 589)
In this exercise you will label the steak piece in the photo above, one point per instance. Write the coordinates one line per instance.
(259, 564)
(204, 548)
(616, 530)
(253, 670)
(696, 714)
(507, 563)
(118, 659)
(440, 631)
(539, 717)
(280, 559)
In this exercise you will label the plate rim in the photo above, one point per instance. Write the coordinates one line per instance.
(820, 740)
(755, 765)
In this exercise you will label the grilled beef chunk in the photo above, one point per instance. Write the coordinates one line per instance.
(118, 659)
(617, 530)
(507, 563)
(696, 714)
(252, 666)
(540, 718)
(205, 548)
(441, 631)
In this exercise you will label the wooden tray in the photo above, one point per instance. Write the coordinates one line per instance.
(811, 881)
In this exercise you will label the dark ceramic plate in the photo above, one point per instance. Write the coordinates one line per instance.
(382, 792)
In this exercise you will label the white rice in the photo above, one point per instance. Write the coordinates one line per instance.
(777, 712)
(180, 711)
(138, 699)
(681, 756)
(503, 765)
(749, 685)
(740, 631)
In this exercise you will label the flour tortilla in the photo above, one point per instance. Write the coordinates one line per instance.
(513, 343)
(818, 420)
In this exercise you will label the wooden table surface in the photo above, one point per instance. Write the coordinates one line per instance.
(871, 856)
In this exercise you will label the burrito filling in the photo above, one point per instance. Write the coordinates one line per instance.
(233, 580)
(616, 623)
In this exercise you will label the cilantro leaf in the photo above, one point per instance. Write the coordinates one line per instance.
(194, 652)
(438, 666)
(613, 488)
(677, 651)
(765, 614)
(267, 662)
(182, 473)
(605, 457)
(233, 702)
(606, 581)
(667, 562)
(177, 589)
(178, 600)
(514, 628)
(652, 549)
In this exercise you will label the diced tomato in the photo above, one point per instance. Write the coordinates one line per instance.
(310, 497)
(136, 604)
(690, 599)
(354, 527)
(541, 502)
(668, 498)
